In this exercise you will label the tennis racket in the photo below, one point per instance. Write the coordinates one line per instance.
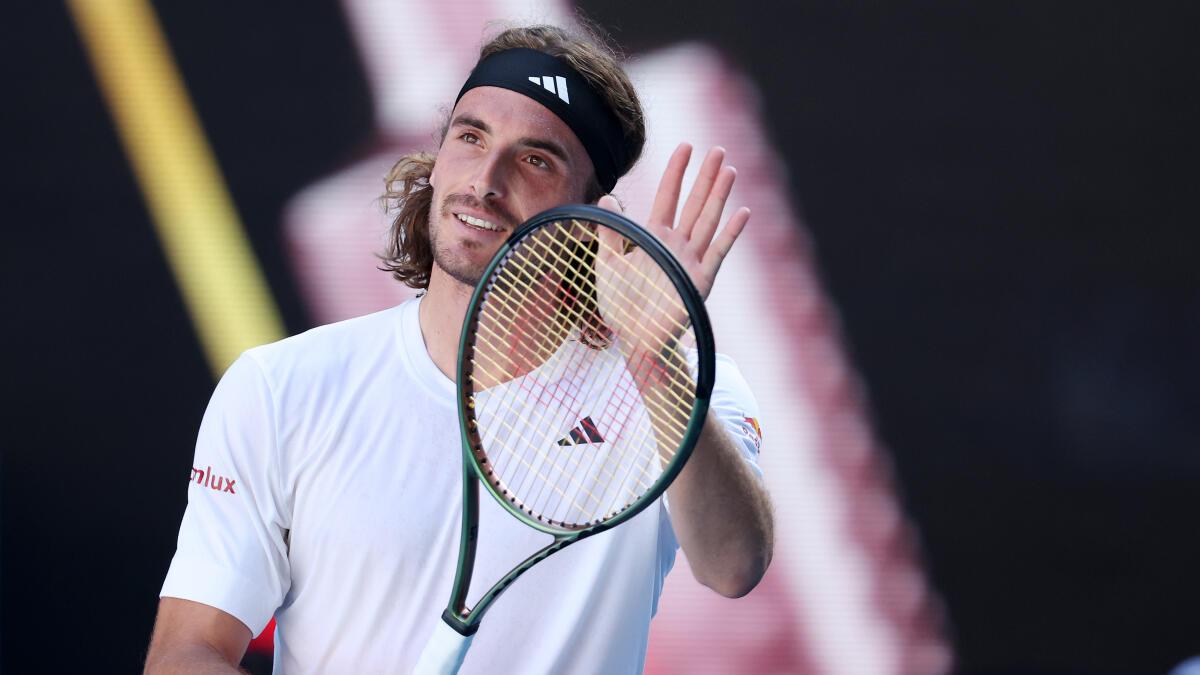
(584, 372)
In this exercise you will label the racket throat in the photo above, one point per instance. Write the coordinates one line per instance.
(466, 621)
(463, 627)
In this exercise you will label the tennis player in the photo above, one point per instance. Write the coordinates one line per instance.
(326, 484)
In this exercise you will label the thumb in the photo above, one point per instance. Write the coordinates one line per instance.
(610, 241)
(610, 203)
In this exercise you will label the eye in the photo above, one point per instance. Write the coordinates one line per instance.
(469, 137)
(538, 161)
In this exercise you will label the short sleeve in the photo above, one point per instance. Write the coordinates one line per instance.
(232, 552)
(734, 404)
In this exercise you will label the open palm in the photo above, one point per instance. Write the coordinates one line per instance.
(693, 238)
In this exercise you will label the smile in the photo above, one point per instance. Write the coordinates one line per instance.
(478, 223)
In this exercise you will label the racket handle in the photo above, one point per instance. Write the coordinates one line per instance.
(444, 653)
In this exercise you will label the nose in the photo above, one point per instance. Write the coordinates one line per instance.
(488, 181)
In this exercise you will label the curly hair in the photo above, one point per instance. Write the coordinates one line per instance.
(407, 192)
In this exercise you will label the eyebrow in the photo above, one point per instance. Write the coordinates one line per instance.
(468, 120)
(545, 145)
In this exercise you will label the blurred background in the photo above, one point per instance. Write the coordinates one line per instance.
(968, 301)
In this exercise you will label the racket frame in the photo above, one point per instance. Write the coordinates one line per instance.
(466, 621)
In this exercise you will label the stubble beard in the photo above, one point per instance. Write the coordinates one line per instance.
(457, 266)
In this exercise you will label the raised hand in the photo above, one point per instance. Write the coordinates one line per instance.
(693, 239)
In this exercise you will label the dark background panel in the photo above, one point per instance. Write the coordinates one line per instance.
(105, 376)
(107, 383)
(999, 194)
(1001, 198)
(283, 102)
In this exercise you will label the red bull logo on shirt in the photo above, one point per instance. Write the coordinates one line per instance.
(756, 435)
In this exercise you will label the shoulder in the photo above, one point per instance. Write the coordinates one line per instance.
(329, 350)
(735, 404)
(729, 382)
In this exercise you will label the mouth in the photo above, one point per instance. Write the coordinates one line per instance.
(478, 223)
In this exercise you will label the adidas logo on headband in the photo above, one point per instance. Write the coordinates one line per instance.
(550, 82)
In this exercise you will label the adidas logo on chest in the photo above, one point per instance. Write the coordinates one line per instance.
(584, 433)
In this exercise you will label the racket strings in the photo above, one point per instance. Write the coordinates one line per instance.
(685, 378)
(529, 300)
(642, 370)
(537, 423)
(663, 416)
(681, 377)
(526, 277)
(662, 293)
(577, 465)
(536, 503)
(523, 326)
(510, 450)
(546, 480)
(677, 374)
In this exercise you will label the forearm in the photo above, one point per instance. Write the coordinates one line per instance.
(191, 637)
(719, 508)
(194, 659)
(722, 515)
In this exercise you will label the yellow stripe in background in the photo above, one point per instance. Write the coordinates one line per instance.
(197, 223)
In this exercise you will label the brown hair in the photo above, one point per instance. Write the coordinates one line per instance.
(407, 192)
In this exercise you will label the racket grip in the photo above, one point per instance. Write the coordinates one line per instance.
(445, 651)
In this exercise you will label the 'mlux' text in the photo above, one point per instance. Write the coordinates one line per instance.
(206, 478)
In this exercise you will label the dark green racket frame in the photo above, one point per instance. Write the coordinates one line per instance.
(465, 621)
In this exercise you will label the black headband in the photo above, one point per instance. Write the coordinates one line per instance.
(563, 91)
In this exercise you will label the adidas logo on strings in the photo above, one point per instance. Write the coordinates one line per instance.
(585, 433)
(554, 85)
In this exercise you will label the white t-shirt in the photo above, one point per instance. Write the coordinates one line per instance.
(326, 491)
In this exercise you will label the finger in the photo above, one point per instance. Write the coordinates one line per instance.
(666, 200)
(710, 217)
(711, 262)
(700, 189)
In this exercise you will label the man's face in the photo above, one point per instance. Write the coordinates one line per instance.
(504, 159)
